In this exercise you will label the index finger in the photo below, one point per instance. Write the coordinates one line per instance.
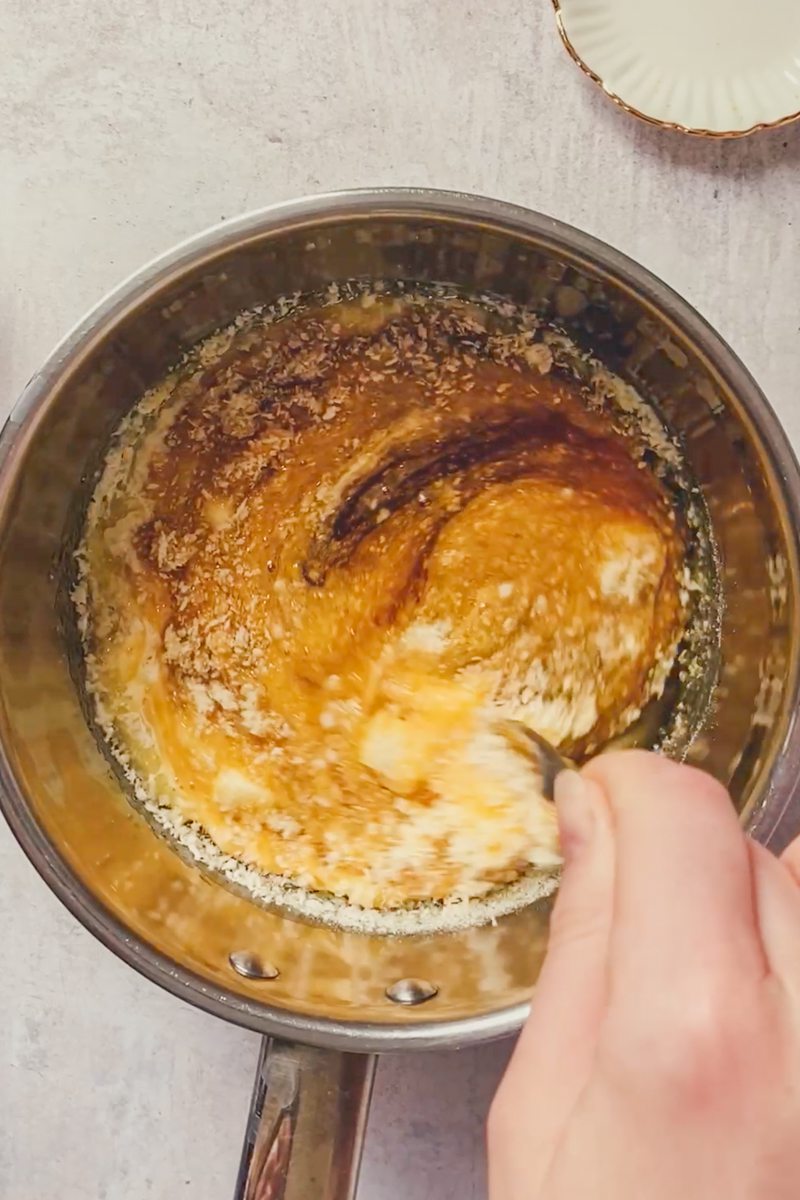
(685, 921)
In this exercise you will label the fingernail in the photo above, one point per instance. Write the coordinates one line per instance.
(576, 817)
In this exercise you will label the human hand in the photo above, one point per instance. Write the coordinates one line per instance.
(661, 1060)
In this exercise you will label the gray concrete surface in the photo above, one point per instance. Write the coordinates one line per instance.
(129, 125)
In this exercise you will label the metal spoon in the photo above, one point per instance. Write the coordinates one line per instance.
(549, 763)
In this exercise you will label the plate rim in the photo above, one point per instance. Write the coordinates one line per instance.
(658, 122)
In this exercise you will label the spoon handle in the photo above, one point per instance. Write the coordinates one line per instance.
(547, 759)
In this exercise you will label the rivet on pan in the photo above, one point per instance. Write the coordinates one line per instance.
(411, 991)
(244, 962)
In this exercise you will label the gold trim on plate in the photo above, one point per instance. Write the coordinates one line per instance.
(718, 134)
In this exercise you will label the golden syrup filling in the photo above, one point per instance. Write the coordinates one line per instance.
(327, 553)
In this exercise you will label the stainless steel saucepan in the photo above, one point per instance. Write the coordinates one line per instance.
(328, 1001)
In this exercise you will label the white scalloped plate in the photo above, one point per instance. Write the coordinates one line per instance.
(718, 68)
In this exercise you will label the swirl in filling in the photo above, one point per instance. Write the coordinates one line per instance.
(322, 557)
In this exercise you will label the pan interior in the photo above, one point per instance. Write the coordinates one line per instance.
(416, 448)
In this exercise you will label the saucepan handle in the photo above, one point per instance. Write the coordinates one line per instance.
(305, 1130)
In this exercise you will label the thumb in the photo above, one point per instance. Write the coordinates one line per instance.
(554, 1054)
(570, 996)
